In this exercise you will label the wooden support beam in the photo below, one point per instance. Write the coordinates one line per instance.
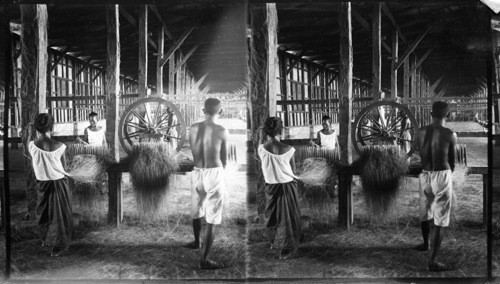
(411, 49)
(294, 63)
(394, 70)
(333, 78)
(171, 74)
(388, 13)
(421, 60)
(345, 111)
(159, 67)
(143, 52)
(263, 20)
(367, 26)
(34, 60)
(205, 90)
(413, 76)
(134, 24)
(61, 56)
(406, 78)
(185, 58)
(431, 90)
(97, 75)
(316, 74)
(160, 19)
(176, 46)
(112, 83)
(197, 84)
(376, 51)
(272, 57)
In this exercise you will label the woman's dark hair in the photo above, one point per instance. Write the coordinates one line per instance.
(92, 114)
(326, 117)
(273, 126)
(44, 122)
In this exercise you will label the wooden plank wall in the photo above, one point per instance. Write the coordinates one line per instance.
(309, 91)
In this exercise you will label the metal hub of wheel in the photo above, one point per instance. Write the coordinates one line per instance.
(152, 119)
(385, 123)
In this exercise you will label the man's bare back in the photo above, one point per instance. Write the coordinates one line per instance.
(209, 142)
(436, 144)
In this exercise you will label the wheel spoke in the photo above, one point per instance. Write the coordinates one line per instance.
(170, 136)
(364, 138)
(395, 124)
(133, 134)
(381, 114)
(135, 125)
(139, 117)
(157, 112)
(370, 128)
(163, 119)
(389, 119)
(147, 109)
(374, 122)
(168, 127)
(402, 139)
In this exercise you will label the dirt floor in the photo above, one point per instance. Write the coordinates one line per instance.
(139, 249)
(379, 250)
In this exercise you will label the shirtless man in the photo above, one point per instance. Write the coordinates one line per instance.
(209, 144)
(436, 145)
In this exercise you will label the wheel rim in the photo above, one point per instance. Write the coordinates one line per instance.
(151, 119)
(381, 123)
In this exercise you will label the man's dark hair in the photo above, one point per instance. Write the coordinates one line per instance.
(326, 117)
(440, 109)
(92, 114)
(273, 126)
(212, 106)
(44, 122)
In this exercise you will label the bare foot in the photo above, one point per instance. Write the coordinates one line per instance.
(437, 266)
(58, 251)
(287, 254)
(192, 245)
(209, 265)
(422, 247)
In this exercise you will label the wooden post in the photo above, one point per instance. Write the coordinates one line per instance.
(485, 200)
(159, 67)
(345, 112)
(394, 70)
(376, 51)
(171, 75)
(34, 19)
(272, 56)
(115, 213)
(406, 77)
(263, 21)
(143, 51)
(414, 78)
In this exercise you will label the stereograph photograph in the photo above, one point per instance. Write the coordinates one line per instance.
(264, 141)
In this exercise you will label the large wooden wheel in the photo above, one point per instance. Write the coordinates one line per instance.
(152, 119)
(385, 123)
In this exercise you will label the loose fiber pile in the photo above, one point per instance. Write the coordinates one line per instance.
(381, 170)
(331, 156)
(87, 172)
(85, 168)
(460, 176)
(151, 164)
(315, 172)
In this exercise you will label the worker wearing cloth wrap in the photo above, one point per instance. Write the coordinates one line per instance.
(282, 211)
(209, 144)
(54, 207)
(436, 145)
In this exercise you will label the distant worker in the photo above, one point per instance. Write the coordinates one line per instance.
(326, 137)
(436, 145)
(93, 135)
(209, 145)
